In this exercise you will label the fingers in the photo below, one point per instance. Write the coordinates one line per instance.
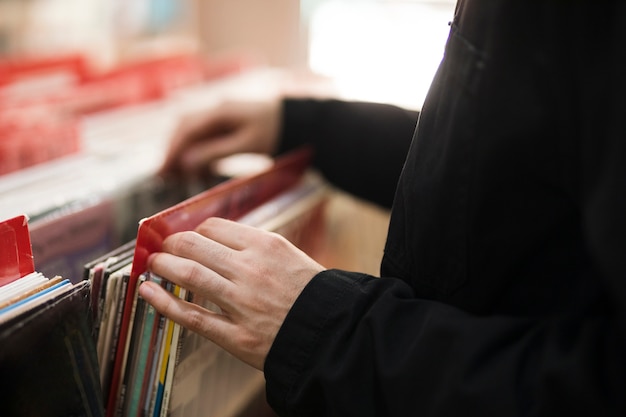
(230, 128)
(199, 154)
(219, 328)
(197, 264)
(253, 276)
(207, 250)
(211, 325)
(180, 138)
(192, 142)
(206, 264)
(229, 233)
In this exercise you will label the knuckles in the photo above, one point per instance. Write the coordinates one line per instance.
(207, 226)
(273, 242)
(166, 306)
(181, 243)
(196, 322)
(193, 276)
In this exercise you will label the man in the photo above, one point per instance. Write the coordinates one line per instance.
(503, 287)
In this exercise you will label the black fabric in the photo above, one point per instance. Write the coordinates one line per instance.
(504, 276)
(344, 151)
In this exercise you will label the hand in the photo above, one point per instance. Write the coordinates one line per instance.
(253, 276)
(232, 127)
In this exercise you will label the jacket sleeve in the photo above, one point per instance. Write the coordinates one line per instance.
(355, 345)
(359, 147)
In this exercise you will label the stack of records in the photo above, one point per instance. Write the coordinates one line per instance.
(95, 347)
(48, 360)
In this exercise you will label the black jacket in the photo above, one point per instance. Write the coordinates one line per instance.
(504, 274)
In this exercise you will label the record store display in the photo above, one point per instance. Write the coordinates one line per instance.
(76, 338)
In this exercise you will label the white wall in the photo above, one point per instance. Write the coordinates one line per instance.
(268, 28)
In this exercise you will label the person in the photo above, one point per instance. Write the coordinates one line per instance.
(503, 281)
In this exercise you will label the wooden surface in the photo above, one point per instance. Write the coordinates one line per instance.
(355, 234)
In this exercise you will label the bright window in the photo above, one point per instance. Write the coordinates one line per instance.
(384, 51)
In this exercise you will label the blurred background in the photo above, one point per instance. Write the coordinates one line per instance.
(381, 50)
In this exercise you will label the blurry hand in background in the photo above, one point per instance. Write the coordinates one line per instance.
(228, 129)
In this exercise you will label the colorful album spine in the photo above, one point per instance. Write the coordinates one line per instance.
(149, 390)
(175, 348)
(143, 361)
(164, 361)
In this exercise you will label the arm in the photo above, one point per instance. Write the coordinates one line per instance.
(359, 146)
(351, 140)
(357, 345)
(353, 344)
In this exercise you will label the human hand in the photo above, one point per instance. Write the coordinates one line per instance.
(230, 128)
(253, 276)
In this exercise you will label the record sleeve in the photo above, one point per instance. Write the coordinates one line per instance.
(16, 258)
(48, 359)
